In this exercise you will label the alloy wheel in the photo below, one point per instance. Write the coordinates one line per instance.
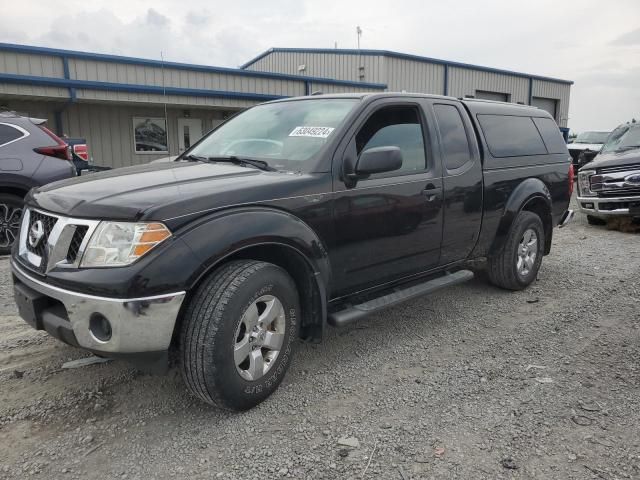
(527, 252)
(259, 337)
(10, 216)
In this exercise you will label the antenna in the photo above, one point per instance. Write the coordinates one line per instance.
(164, 97)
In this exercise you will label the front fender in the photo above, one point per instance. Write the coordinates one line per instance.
(531, 189)
(222, 234)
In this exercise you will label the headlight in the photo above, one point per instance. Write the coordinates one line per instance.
(584, 183)
(115, 244)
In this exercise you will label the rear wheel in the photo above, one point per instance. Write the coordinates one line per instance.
(517, 265)
(10, 215)
(238, 334)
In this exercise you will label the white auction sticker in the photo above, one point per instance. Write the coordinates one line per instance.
(316, 132)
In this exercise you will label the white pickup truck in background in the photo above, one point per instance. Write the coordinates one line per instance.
(588, 143)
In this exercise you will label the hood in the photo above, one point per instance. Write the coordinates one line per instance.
(594, 147)
(161, 191)
(613, 159)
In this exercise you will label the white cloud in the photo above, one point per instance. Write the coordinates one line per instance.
(595, 45)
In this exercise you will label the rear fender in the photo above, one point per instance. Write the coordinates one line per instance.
(532, 194)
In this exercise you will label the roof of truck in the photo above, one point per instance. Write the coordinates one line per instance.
(478, 104)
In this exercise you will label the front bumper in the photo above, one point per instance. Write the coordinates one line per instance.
(136, 325)
(604, 207)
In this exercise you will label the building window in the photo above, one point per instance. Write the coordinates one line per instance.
(150, 135)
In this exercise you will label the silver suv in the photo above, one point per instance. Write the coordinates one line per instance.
(30, 156)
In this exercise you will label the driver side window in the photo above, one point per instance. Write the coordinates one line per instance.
(396, 126)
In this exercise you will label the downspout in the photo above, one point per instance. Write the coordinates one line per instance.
(530, 91)
(72, 99)
(446, 80)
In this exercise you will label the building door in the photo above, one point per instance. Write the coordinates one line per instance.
(495, 96)
(548, 104)
(189, 132)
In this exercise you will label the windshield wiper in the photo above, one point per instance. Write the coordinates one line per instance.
(194, 158)
(628, 147)
(260, 164)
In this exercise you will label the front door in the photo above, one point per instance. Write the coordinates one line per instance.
(189, 132)
(389, 225)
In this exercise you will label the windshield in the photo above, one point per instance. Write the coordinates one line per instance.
(286, 135)
(623, 138)
(592, 137)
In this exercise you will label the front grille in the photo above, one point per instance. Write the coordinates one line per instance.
(621, 192)
(60, 243)
(40, 249)
(76, 242)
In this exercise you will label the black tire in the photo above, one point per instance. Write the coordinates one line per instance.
(502, 268)
(210, 326)
(10, 215)
(591, 220)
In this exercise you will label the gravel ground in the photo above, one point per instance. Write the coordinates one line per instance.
(471, 382)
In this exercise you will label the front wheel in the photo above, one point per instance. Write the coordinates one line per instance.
(517, 265)
(10, 216)
(238, 334)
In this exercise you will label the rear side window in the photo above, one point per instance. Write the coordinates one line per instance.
(551, 135)
(454, 136)
(395, 127)
(511, 136)
(8, 134)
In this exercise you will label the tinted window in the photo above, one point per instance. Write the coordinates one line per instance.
(395, 127)
(511, 136)
(454, 137)
(551, 135)
(8, 134)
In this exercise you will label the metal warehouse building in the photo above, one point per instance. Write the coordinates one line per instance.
(118, 103)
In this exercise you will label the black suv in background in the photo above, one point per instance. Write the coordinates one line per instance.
(30, 156)
(291, 216)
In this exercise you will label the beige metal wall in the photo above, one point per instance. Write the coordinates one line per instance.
(412, 76)
(415, 76)
(132, 74)
(328, 65)
(463, 82)
(109, 128)
(31, 64)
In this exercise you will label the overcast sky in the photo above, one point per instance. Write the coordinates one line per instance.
(594, 43)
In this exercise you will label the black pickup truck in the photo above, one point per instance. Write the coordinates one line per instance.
(289, 217)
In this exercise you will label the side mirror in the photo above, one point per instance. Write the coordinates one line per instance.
(379, 160)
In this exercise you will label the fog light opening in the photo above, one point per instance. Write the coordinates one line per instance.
(100, 327)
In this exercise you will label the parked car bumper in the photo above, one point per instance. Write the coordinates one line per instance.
(604, 207)
(107, 326)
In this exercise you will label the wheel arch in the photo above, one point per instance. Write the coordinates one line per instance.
(272, 236)
(14, 189)
(530, 195)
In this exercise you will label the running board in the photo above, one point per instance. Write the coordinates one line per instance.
(356, 312)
